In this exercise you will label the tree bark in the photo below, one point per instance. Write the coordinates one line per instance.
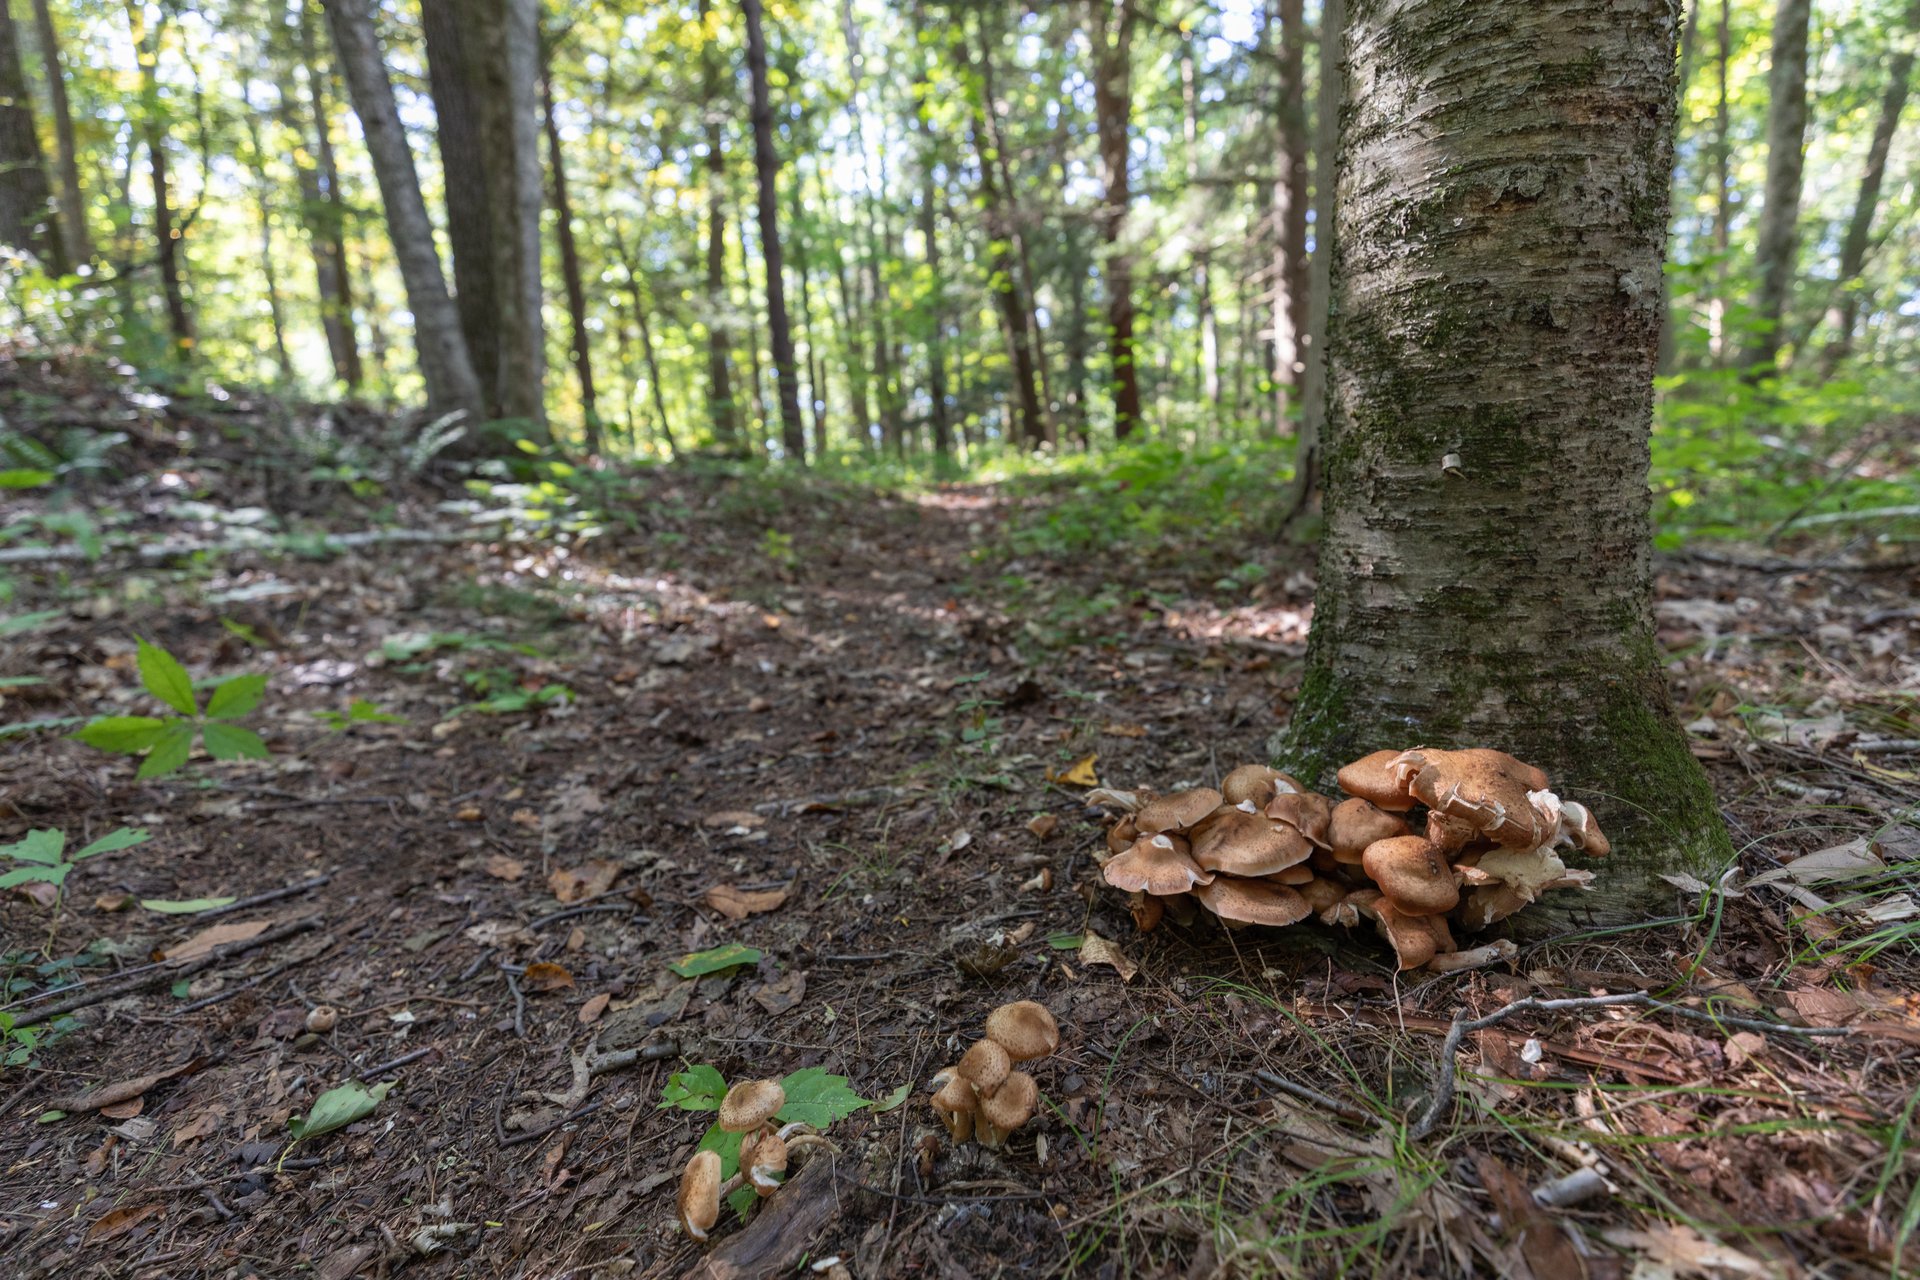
(1777, 245)
(1844, 313)
(1501, 215)
(939, 412)
(580, 348)
(1111, 30)
(1207, 357)
(816, 371)
(1290, 267)
(269, 262)
(1722, 188)
(1326, 146)
(1669, 328)
(445, 366)
(766, 163)
(720, 403)
(324, 215)
(153, 132)
(76, 238)
(28, 217)
(642, 309)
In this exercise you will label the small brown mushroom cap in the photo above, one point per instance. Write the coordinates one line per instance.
(1252, 901)
(1307, 812)
(1257, 784)
(1178, 811)
(1157, 864)
(750, 1104)
(1296, 875)
(1480, 788)
(768, 1164)
(699, 1203)
(1356, 823)
(1413, 944)
(1535, 779)
(1011, 1106)
(986, 1064)
(1413, 875)
(1321, 894)
(1576, 822)
(1025, 1029)
(953, 1101)
(1122, 834)
(1250, 844)
(1368, 778)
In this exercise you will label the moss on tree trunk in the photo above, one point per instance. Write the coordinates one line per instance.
(1485, 576)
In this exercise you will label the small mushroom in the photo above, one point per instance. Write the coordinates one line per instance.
(1492, 953)
(1146, 910)
(1356, 823)
(1250, 844)
(1581, 831)
(954, 1102)
(1413, 875)
(1010, 1106)
(1413, 943)
(1487, 790)
(1025, 1029)
(1294, 876)
(1307, 812)
(699, 1202)
(1257, 784)
(1252, 901)
(322, 1018)
(768, 1165)
(985, 1065)
(750, 1104)
(1369, 778)
(1157, 864)
(1321, 893)
(1121, 835)
(1178, 811)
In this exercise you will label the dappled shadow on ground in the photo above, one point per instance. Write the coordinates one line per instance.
(855, 719)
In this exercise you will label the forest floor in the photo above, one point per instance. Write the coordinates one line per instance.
(837, 743)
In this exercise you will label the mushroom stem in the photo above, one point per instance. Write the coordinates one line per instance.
(807, 1141)
(786, 1131)
(1491, 953)
(733, 1184)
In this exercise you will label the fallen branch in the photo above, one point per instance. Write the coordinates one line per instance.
(780, 1232)
(271, 895)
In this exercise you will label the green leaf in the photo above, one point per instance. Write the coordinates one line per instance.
(231, 742)
(20, 682)
(24, 478)
(725, 956)
(35, 726)
(1066, 941)
(893, 1099)
(113, 841)
(337, 1108)
(725, 1145)
(170, 752)
(43, 847)
(52, 1117)
(183, 906)
(236, 697)
(698, 1088)
(27, 622)
(166, 679)
(129, 735)
(363, 712)
(36, 875)
(182, 989)
(818, 1098)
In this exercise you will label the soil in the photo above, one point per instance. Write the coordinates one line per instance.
(858, 725)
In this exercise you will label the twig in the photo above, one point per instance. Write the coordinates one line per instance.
(618, 1058)
(519, 1008)
(394, 1064)
(586, 910)
(550, 917)
(220, 996)
(535, 1134)
(271, 895)
(1321, 1100)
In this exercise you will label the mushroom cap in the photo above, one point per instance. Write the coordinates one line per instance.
(1298, 874)
(1178, 811)
(1121, 834)
(1157, 864)
(750, 1104)
(769, 1162)
(986, 1064)
(1413, 943)
(1258, 784)
(699, 1202)
(1252, 901)
(1413, 875)
(1011, 1106)
(1577, 824)
(954, 1101)
(1534, 778)
(1025, 1029)
(1368, 778)
(1250, 844)
(1307, 812)
(1482, 789)
(1321, 893)
(1356, 823)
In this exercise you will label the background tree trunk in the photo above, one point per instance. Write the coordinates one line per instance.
(1670, 326)
(28, 219)
(324, 214)
(1290, 267)
(444, 363)
(1501, 214)
(1326, 146)
(1207, 355)
(1112, 34)
(1722, 188)
(766, 162)
(720, 404)
(1777, 244)
(73, 209)
(153, 128)
(570, 274)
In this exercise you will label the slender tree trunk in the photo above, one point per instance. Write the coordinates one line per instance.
(1003, 284)
(1290, 266)
(269, 263)
(450, 43)
(642, 311)
(1496, 313)
(76, 239)
(525, 356)
(1669, 328)
(938, 412)
(570, 270)
(377, 346)
(323, 212)
(1207, 358)
(1307, 457)
(1844, 313)
(444, 363)
(1722, 190)
(816, 374)
(28, 217)
(853, 323)
(1076, 343)
(766, 162)
(146, 41)
(1112, 34)
(720, 403)
(1777, 244)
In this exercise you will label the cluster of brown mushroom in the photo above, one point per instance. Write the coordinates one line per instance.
(1263, 849)
(982, 1096)
(748, 1109)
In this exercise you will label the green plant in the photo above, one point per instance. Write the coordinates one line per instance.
(500, 692)
(167, 741)
(359, 711)
(41, 856)
(778, 548)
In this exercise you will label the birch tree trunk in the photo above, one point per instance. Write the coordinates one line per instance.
(27, 215)
(445, 365)
(1485, 575)
(1777, 247)
(73, 209)
(1290, 289)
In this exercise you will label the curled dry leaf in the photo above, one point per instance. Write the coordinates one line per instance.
(738, 904)
(544, 975)
(217, 935)
(1078, 774)
(126, 1109)
(108, 1095)
(1095, 949)
(575, 883)
(501, 867)
(117, 1222)
(595, 1006)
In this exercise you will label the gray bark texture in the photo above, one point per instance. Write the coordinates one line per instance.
(444, 363)
(1501, 214)
(1777, 246)
(1326, 146)
(1290, 297)
(73, 209)
(27, 219)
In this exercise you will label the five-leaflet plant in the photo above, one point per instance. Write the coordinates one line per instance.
(167, 741)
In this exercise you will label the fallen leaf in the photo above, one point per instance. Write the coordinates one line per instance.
(125, 1110)
(696, 964)
(117, 1222)
(525, 819)
(201, 1126)
(1675, 1250)
(734, 818)
(778, 997)
(216, 935)
(501, 867)
(1118, 729)
(343, 1263)
(108, 1095)
(590, 880)
(738, 904)
(1095, 949)
(339, 1107)
(466, 813)
(595, 1006)
(40, 893)
(1825, 1008)
(572, 805)
(113, 901)
(1043, 825)
(1078, 774)
(184, 906)
(1742, 1046)
(544, 975)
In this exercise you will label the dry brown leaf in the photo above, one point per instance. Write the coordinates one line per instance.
(501, 867)
(1095, 949)
(216, 935)
(1078, 774)
(576, 883)
(117, 1222)
(1825, 1008)
(544, 975)
(778, 997)
(595, 1006)
(572, 805)
(468, 813)
(738, 904)
(525, 819)
(1742, 1046)
(126, 1109)
(734, 818)
(121, 1090)
(201, 1126)
(1044, 825)
(40, 893)
(113, 901)
(1119, 729)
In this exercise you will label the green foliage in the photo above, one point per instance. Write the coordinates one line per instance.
(337, 1108)
(359, 711)
(502, 692)
(727, 955)
(167, 741)
(40, 856)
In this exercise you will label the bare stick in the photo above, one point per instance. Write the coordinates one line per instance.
(1321, 1100)
(271, 895)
